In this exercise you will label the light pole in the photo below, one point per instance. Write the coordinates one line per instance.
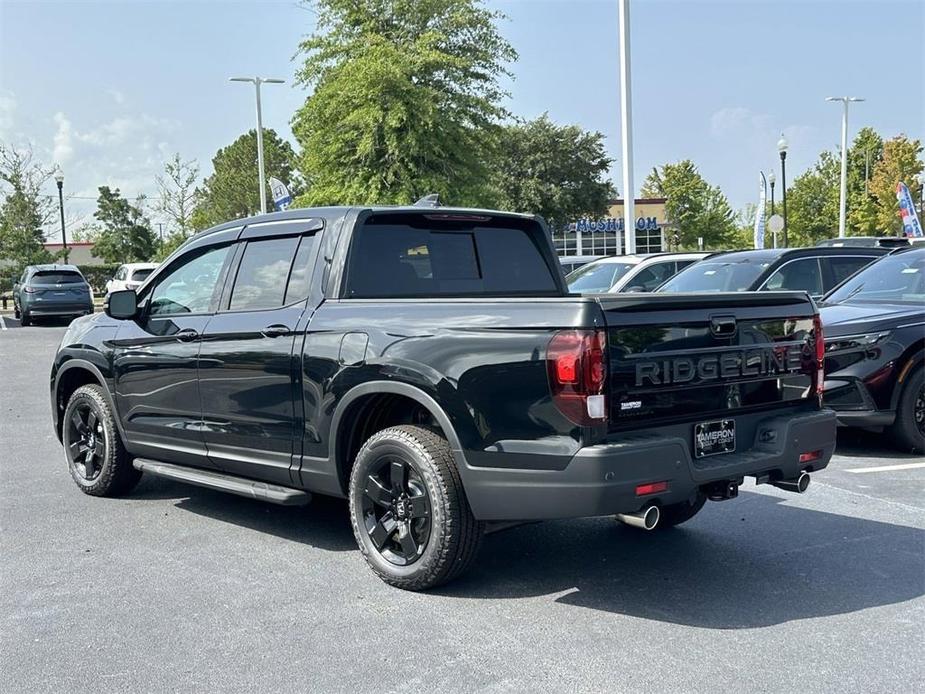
(257, 81)
(782, 148)
(772, 179)
(59, 179)
(626, 131)
(843, 203)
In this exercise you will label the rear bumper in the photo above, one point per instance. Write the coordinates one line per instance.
(602, 480)
(53, 309)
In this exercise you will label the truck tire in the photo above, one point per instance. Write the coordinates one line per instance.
(675, 514)
(96, 457)
(409, 511)
(908, 430)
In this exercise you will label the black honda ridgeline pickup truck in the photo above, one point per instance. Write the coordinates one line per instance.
(430, 365)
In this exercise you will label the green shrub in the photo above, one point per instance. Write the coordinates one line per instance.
(98, 275)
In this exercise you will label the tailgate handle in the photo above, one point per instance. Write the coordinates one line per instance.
(723, 326)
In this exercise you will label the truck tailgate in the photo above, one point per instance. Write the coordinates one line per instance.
(696, 357)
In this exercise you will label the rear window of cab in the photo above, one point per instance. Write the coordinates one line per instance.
(445, 255)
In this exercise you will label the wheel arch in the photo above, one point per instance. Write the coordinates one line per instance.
(349, 430)
(911, 360)
(71, 375)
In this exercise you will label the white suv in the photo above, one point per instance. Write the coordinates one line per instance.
(629, 273)
(130, 276)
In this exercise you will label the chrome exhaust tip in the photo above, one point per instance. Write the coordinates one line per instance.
(646, 519)
(797, 485)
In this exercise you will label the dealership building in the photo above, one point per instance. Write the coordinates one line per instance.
(606, 236)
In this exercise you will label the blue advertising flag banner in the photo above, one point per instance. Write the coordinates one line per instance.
(911, 225)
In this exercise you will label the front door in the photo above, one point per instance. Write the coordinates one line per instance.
(248, 376)
(156, 359)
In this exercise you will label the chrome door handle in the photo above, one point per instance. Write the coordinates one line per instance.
(186, 335)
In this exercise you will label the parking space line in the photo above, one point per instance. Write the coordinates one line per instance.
(886, 468)
(2, 323)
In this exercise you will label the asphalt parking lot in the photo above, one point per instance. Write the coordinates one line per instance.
(176, 588)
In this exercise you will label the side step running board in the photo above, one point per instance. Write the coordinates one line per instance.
(285, 496)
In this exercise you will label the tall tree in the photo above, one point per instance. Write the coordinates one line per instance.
(24, 211)
(125, 234)
(406, 100)
(176, 200)
(812, 202)
(901, 163)
(699, 209)
(557, 171)
(231, 191)
(863, 155)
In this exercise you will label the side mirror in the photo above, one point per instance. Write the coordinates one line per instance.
(122, 304)
(636, 288)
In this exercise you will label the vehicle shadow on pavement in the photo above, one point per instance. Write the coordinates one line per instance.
(324, 523)
(730, 568)
(858, 443)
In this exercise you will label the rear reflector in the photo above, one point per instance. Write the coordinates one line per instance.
(651, 488)
(808, 457)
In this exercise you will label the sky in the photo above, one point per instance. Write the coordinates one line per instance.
(110, 90)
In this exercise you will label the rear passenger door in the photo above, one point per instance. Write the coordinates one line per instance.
(801, 274)
(247, 376)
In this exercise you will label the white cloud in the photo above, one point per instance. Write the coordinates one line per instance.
(63, 145)
(117, 96)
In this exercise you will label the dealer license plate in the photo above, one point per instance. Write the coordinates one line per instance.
(713, 438)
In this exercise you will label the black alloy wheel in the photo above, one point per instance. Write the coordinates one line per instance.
(85, 441)
(396, 511)
(408, 508)
(918, 411)
(96, 458)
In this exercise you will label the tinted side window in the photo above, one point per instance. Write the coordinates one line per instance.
(797, 275)
(301, 274)
(262, 275)
(842, 268)
(190, 286)
(652, 276)
(391, 257)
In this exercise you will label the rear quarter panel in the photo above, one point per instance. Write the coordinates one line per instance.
(483, 361)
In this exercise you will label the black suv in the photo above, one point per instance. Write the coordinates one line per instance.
(812, 270)
(429, 365)
(875, 348)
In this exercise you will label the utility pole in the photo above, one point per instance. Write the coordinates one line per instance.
(261, 174)
(626, 131)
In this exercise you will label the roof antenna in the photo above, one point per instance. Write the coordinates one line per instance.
(432, 200)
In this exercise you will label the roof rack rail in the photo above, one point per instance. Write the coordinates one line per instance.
(431, 200)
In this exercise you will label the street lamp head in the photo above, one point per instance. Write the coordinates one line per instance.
(241, 79)
(772, 179)
(59, 176)
(271, 80)
(782, 144)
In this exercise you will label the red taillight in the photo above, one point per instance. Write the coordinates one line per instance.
(811, 456)
(651, 488)
(820, 354)
(577, 371)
